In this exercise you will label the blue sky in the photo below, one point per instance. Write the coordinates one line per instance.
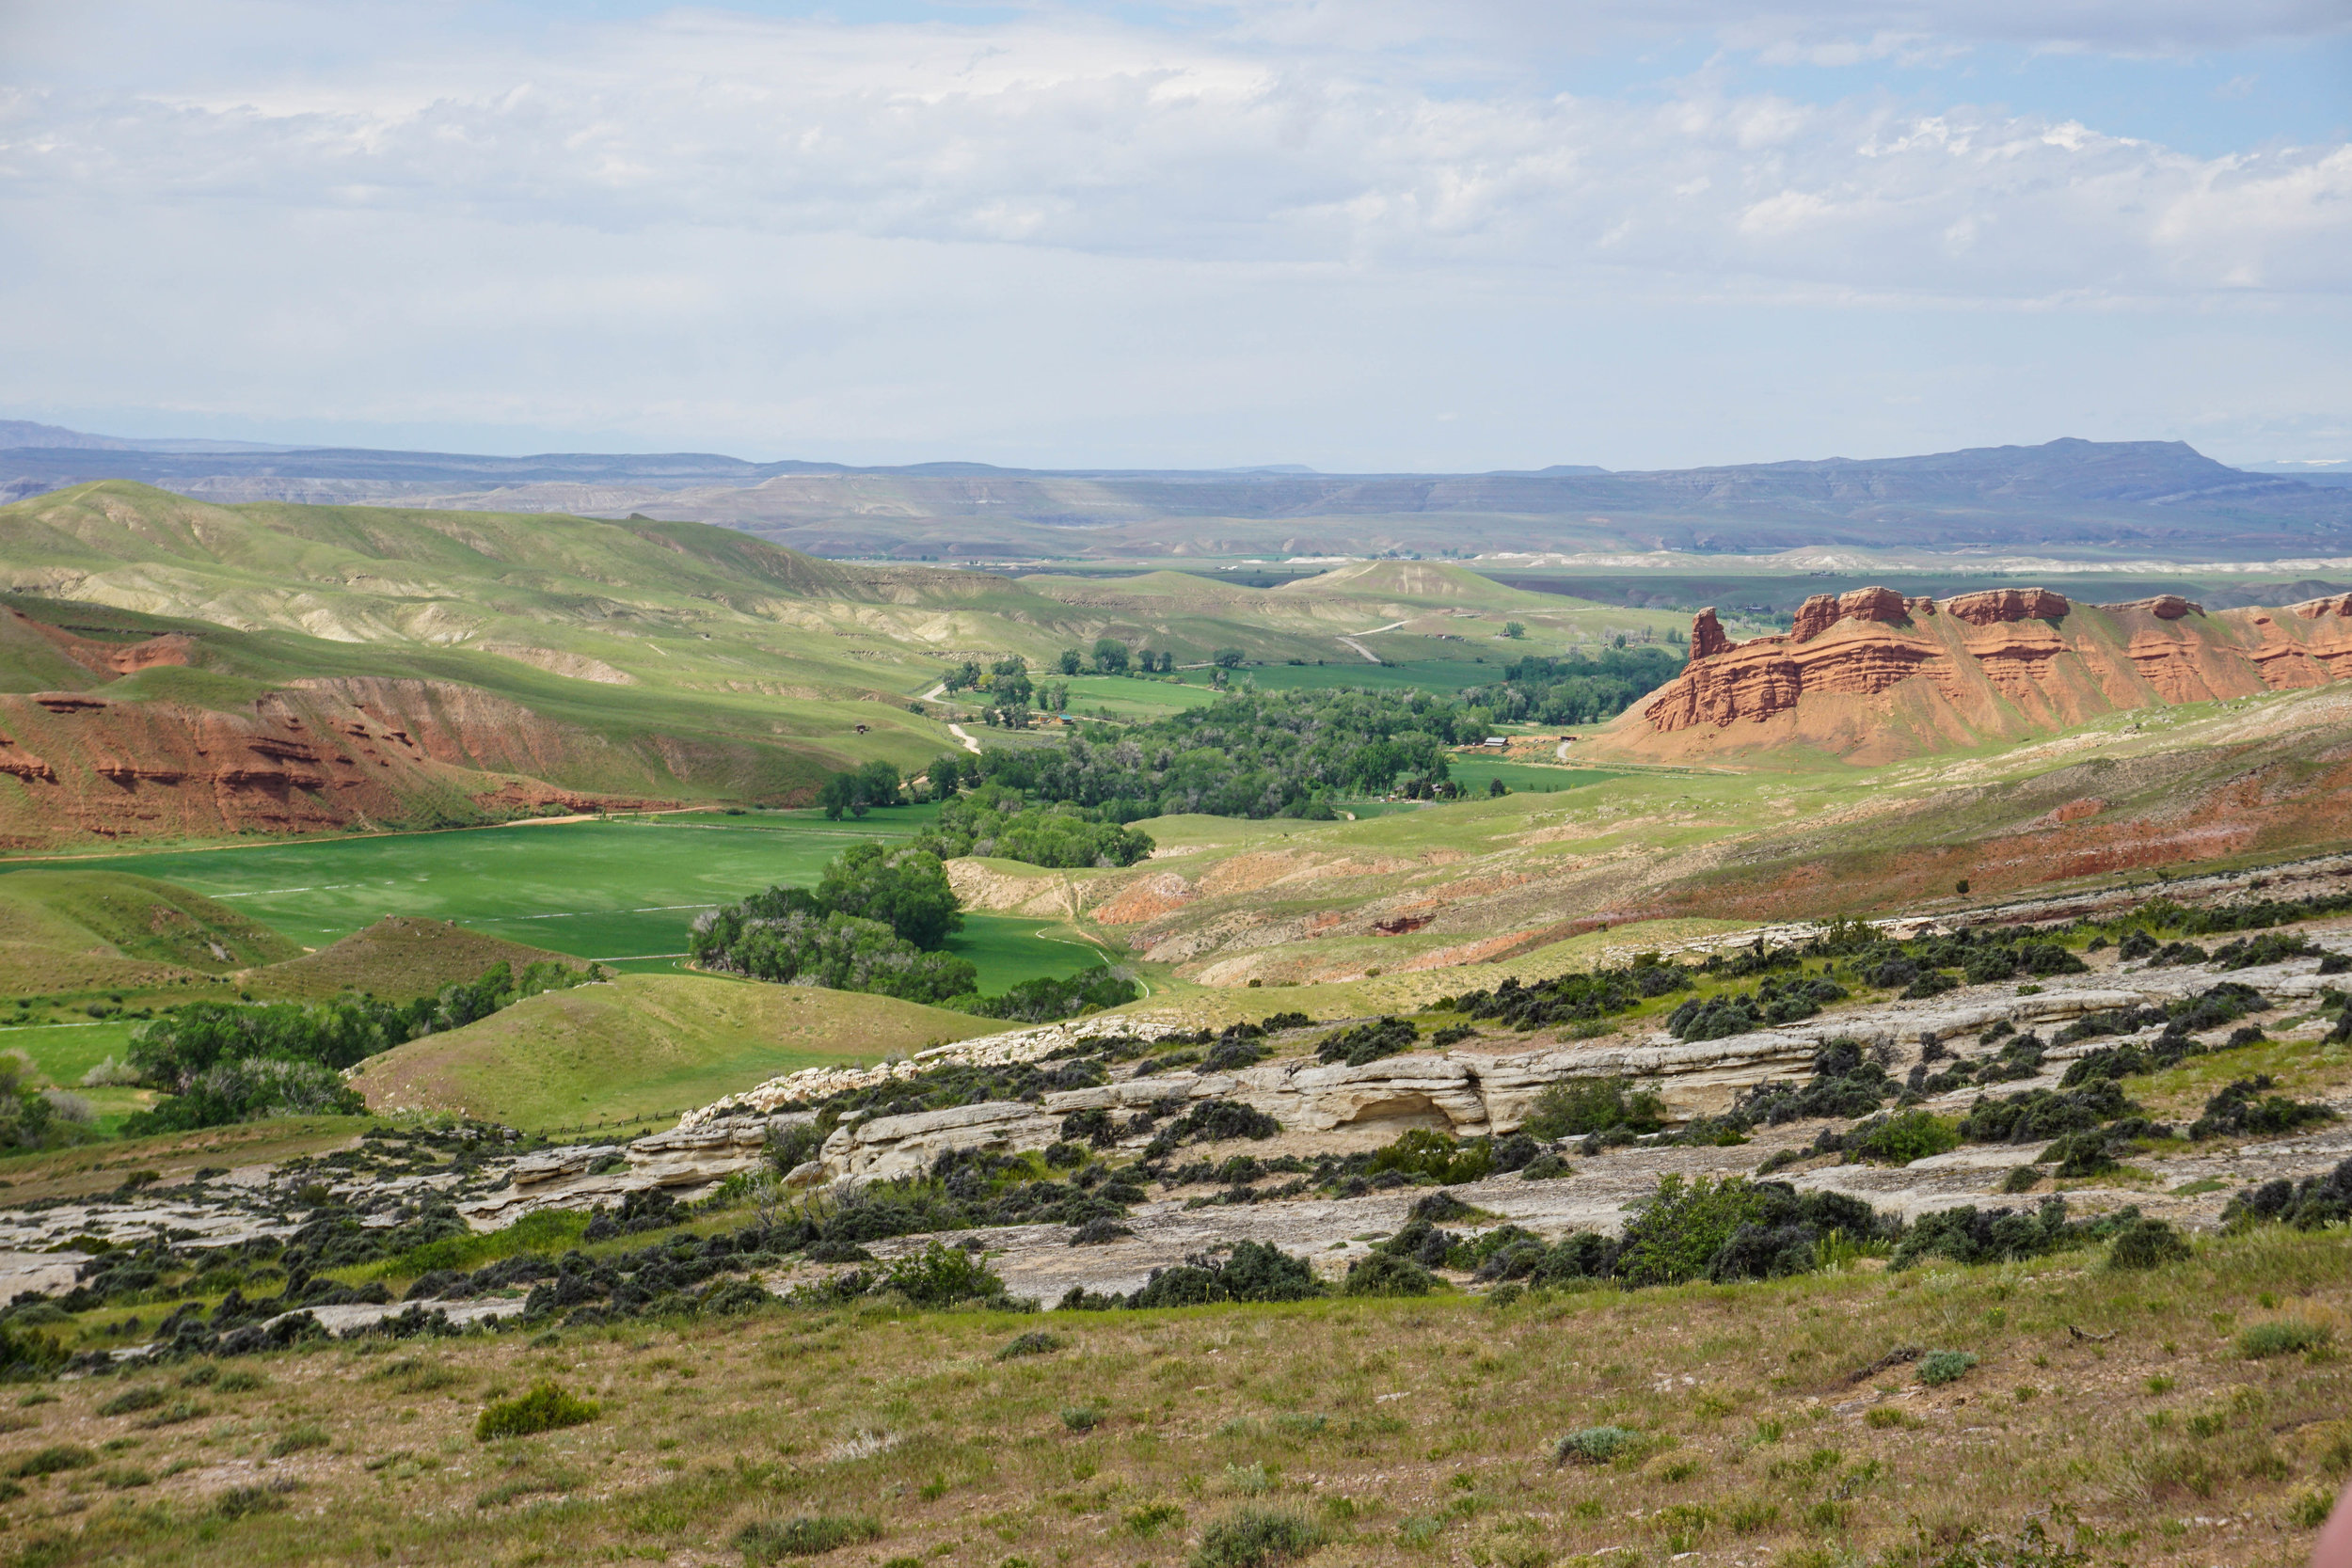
(1380, 236)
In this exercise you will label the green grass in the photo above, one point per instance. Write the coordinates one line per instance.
(62, 1052)
(1434, 674)
(618, 890)
(1134, 699)
(1475, 771)
(637, 1052)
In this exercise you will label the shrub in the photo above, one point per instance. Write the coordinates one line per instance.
(2147, 1244)
(53, 1460)
(1368, 1042)
(2308, 1205)
(297, 1440)
(1147, 1519)
(145, 1397)
(2286, 1336)
(1939, 1367)
(1254, 1271)
(942, 1275)
(1385, 1274)
(808, 1535)
(25, 1353)
(1580, 1105)
(1252, 1537)
(239, 1502)
(1904, 1138)
(1596, 1445)
(1036, 1343)
(1421, 1152)
(1682, 1226)
(2242, 1109)
(1081, 1417)
(737, 1296)
(545, 1408)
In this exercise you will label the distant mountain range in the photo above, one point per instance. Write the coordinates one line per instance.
(2074, 497)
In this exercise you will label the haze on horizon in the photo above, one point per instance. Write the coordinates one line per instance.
(1381, 236)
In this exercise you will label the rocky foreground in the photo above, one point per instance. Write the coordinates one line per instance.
(1483, 1086)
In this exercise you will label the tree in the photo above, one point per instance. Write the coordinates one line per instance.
(1227, 658)
(1496, 786)
(905, 889)
(857, 793)
(1070, 661)
(965, 678)
(1110, 656)
(1515, 629)
(945, 772)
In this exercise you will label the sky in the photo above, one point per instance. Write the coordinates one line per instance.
(1379, 235)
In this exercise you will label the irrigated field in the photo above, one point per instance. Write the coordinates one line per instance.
(622, 891)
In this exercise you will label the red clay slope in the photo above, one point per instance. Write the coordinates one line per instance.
(1873, 676)
(81, 766)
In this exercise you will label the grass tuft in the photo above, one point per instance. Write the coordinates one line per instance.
(545, 1408)
(2286, 1336)
(808, 1535)
(1252, 1537)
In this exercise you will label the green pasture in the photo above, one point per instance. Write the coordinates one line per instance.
(620, 891)
(1429, 674)
(1475, 771)
(63, 1052)
(1132, 698)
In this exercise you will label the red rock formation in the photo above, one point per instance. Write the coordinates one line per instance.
(1998, 665)
(1707, 637)
(1996, 605)
(2164, 607)
(1822, 611)
(291, 762)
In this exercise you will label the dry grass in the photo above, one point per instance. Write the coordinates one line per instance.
(1403, 1432)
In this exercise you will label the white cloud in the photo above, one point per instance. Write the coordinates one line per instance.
(1127, 142)
(808, 234)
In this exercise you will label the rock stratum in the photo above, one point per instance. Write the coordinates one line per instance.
(96, 764)
(1874, 675)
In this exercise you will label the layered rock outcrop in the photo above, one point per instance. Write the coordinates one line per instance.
(1873, 675)
(81, 765)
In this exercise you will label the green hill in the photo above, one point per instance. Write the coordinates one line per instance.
(644, 1048)
(83, 931)
(397, 958)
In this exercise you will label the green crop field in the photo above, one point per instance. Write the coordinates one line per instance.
(1132, 699)
(1475, 770)
(1430, 674)
(622, 891)
(63, 1052)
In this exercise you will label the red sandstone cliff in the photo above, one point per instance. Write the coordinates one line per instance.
(1872, 676)
(79, 767)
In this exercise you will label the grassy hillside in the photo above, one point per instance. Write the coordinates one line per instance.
(396, 957)
(1488, 880)
(83, 930)
(2117, 1413)
(531, 663)
(644, 1049)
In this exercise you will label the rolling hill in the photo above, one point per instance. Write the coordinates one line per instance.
(172, 669)
(85, 930)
